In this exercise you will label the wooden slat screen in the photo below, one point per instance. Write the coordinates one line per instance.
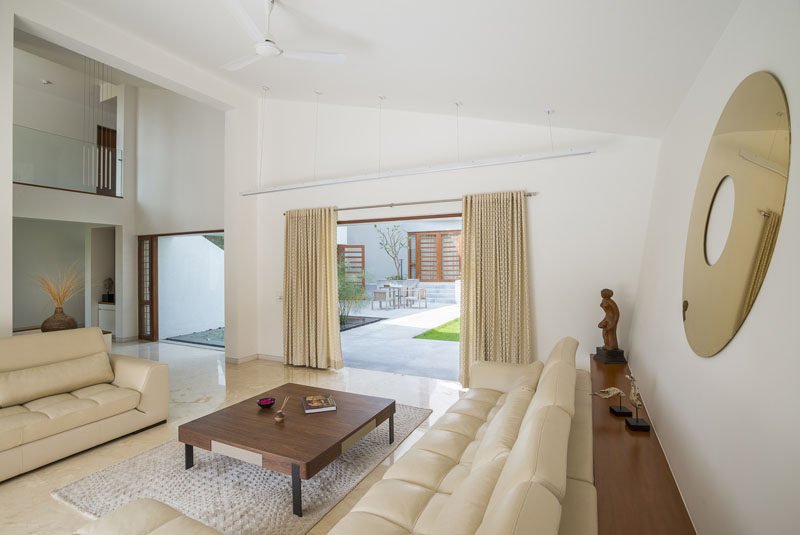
(148, 288)
(434, 256)
(353, 257)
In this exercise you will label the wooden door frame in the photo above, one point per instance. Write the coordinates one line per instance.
(106, 163)
(153, 238)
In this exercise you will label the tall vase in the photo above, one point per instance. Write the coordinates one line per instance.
(59, 322)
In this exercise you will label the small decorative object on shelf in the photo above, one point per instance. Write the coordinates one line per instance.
(108, 287)
(636, 424)
(318, 403)
(610, 352)
(280, 416)
(616, 410)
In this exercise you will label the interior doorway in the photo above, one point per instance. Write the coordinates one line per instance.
(182, 288)
(399, 294)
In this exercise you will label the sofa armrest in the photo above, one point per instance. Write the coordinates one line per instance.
(502, 376)
(150, 379)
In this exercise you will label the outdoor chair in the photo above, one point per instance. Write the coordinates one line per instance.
(381, 296)
(419, 298)
(403, 294)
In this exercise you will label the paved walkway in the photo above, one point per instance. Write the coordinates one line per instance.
(389, 345)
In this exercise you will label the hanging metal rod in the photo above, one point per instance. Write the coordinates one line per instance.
(413, 203)
(505, 160)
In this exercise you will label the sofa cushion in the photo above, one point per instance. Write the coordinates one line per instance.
(356, 522)
(463, 512)
(580, 457)
(20, 386)
(502, 430)
(397, 501)
(424, 468)
(503, 376)
(540, 455)
(50, 415)
(526, 509)
(145, 517)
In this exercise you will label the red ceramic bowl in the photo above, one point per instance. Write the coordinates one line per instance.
(266, 403)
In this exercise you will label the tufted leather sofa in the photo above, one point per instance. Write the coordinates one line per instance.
(61, 393)
(512, 457)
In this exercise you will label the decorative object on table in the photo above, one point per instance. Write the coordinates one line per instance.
(610, 352)
(108, 287)
(616, 410)
(636, 424)
(318, 403)
(266, 403)
(280, 416)
(60, 290)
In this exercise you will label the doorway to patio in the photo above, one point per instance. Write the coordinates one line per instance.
(400, 294)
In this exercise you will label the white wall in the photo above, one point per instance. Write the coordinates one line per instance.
(729, 424)
(191, 287)
(45, 248)
(587, 226)
(180, 161)
(6, 169)
(101, 252)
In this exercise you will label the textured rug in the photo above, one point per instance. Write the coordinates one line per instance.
(230, 495)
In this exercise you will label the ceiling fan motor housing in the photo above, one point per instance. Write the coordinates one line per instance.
(267, 48)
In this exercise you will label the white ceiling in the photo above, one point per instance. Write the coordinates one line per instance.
(611, 65)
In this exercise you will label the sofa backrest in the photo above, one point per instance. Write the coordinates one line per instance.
(39, 365)
(501, 432)
(27, 351)
(563, 351)
(526, 509)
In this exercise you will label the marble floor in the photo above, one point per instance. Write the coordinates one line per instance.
(201, 382)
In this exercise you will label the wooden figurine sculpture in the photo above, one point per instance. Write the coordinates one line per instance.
(616, 410)
(636, 424)
(610, 352)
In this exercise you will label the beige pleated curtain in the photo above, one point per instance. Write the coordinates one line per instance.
(310, 290)
(495, 301)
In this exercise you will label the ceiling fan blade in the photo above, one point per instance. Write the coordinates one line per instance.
(313, 56)
(241, 63)
(248, 25)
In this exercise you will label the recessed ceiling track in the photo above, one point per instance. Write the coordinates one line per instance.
(424, 170)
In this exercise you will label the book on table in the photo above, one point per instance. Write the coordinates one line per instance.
(318, 403)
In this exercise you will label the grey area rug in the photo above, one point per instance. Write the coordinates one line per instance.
(233, 496)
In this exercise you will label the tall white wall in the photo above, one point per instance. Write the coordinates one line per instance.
(191, 286)
(181, 152)
(106, 42)
(586, 228)
(45, 248)
(729, 424)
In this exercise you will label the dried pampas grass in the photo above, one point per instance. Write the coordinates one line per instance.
(63, 288)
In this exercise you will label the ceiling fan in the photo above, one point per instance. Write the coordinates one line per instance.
(264, 46)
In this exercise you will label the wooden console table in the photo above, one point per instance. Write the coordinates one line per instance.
(636, 492)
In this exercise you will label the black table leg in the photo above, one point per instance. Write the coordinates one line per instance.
(189, 456)
(297, 498)
(391, 429)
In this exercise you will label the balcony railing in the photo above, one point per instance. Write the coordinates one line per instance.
(53, 161)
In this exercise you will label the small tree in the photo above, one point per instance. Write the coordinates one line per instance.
(351, 293)
(394, 241)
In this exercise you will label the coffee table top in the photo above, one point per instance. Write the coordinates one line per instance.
(311, 441)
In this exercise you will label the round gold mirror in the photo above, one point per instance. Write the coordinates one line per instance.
(736, 214)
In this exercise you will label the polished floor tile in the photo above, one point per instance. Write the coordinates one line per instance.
(201, 382)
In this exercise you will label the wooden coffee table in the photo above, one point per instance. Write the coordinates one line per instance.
(302, 445)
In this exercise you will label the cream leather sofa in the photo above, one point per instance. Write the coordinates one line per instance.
(146, 517)
(512, 457)
(61, 393)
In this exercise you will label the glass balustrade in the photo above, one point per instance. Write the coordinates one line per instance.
(54, 161)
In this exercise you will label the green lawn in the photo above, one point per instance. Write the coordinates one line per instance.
(449, 332)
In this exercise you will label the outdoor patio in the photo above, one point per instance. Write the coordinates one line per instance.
(389, 345)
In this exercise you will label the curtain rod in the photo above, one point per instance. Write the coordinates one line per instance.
(393, 204)
(454, 166)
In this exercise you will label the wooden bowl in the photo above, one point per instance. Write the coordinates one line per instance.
(279, 417)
